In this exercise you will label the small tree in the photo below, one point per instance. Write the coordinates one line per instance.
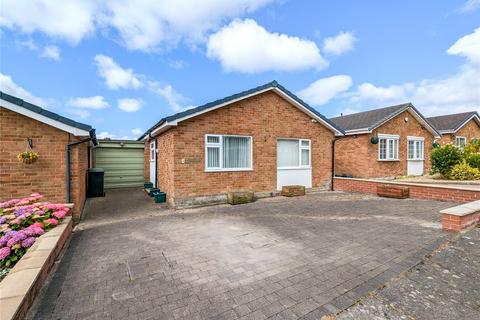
(444, 158)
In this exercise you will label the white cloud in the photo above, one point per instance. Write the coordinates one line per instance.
(115, 76)
(81, 113)
(51, 52)
(176, 64)
(469, 6)
(105, 134)
(246, 47)
(323, 90)
(95, 102)
(176, 101)
(69, 20)
(468, 46)
(456, 93)
(146, 25)
(10, 87)
(339, 44)
(137, 131)
(129, 104)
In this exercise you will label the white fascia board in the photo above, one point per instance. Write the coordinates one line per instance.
(357, 131)
(388, 136)
(425, 123)
(41, 118)
(466, 121)
(277, 90)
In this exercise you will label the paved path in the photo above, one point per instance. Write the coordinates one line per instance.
(446, 286)
(279, 258)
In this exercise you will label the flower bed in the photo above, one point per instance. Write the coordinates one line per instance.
(21, 222)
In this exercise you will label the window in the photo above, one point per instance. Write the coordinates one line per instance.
(152, 150)
(388, 147)
(460, 141)
(293, 153)
(228, 153)
(415, 148)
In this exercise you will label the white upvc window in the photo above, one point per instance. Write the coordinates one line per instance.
(388, 147)
(152, 150)
(416, 147)
(460, 141)
(293, 153)
(228, 153)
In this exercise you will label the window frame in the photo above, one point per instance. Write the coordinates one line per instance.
(393, 138)
(219, 145)
(462, 138)
(415, 140)
(300, 148)
(152, 149)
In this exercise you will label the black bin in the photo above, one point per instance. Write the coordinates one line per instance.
(95, 183)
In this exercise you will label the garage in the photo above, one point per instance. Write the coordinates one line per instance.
(122, 162)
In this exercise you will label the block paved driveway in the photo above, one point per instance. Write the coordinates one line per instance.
(277, 258)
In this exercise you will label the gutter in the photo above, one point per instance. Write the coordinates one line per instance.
(92, 137)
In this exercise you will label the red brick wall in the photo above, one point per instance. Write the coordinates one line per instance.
(416, 191)
(358, 157)
(471, 131)
(265, 117)
(47, 174)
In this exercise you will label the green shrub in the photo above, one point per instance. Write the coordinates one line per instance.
(444, 158)
(473, 160)
(472, 147)
(463, 171)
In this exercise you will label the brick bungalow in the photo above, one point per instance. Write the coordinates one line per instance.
(458, 128)
(260, 139)
(386, 142)
(25, 126)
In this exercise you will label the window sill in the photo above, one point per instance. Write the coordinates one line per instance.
(388, 160)
(415, 159)
(293, 168)
(228, 170)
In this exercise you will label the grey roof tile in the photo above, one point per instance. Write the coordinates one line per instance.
(451, 122)
(34, 108)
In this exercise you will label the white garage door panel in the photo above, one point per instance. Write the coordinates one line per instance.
(287, 177)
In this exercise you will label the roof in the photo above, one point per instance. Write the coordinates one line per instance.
(274, 85)
(365, 122)
(33, 111)
(451, 123)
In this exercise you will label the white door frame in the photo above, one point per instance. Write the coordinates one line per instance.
(153, 163)
(415, 164)
(298, 175)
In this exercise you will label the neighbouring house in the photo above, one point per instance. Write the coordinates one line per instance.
(260, 139)
(25, 127)
(458, 128)
(386, 142)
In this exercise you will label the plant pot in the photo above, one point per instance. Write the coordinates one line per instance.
(148, 185)
(153, 191)
(29, 161)
(374, 140)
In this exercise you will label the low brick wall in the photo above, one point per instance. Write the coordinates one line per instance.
(461, 217)
(20, 287)
(417, 191)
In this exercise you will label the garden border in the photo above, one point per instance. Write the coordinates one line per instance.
(19, 288)
(458, 194)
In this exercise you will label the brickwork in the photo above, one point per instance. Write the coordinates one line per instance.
(358, 157)
(458, 223)
(471, 130)
(266, 117)
(47, 175)
(418, 191)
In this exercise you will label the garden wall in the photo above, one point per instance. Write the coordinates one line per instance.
(417, 191)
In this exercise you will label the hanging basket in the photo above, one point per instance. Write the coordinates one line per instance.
(374, 140)
(435, 144)
(27, 157)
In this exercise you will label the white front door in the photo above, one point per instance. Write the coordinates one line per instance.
(415, 156)
(153, 163)
(294, 163)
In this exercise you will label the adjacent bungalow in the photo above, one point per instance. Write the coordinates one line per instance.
(458, 128)
(62, 145)
(386, 142)
(260, 139)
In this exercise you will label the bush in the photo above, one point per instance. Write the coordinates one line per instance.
(472, 147)
(463, 171)
(444, 158)
(473, 160)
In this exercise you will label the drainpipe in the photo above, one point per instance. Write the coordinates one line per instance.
(92, 138)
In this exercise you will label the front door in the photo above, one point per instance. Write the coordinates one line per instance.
(415, 156)
(294, 163)
(153, 163)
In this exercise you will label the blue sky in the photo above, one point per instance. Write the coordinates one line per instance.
(121, 66)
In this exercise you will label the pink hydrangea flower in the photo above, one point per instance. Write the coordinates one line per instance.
(59, 214)
(52, 221)
(4, 253)
(37, 224)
